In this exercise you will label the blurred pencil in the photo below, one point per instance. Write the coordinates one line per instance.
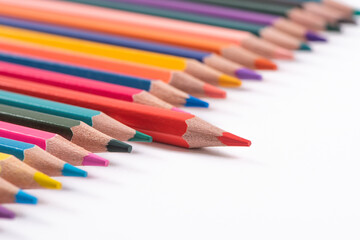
(213, 60)
(10, 193)
(5, 213)
(93, 118)
(23, 176)
(53, 144)
(171, 127)
(181, 33)
(178, 79)
(73, 130)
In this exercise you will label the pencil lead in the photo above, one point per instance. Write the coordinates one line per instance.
(46, 182)
(195, 102)
(4, 213)
(357, 12)
(265, 64)
(230, 139)
(229, 81)
(94, 160)
(248, 74)
(312, 36)
(140, 137)
(214, 92)
(71, 171)
(282, 53)
(23, 197)
(333, 27)
(118, 146)
(304, 47)
(178, 110)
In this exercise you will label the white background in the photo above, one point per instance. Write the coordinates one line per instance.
(299, 180)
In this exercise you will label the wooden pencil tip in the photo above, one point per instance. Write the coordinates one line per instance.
(140, 137)
(265, 64)
(46, 182)
(229, 81)
(230, 139)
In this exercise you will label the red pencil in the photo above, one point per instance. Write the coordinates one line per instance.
(171, 127)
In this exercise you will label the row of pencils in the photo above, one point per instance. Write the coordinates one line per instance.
(79, 77)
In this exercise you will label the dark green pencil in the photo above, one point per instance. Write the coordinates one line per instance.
(73, 130)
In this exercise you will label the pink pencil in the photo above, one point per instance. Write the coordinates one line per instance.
(83, 85)
(52, 143)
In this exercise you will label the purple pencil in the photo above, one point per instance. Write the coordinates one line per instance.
(5, 213)
(280, 23)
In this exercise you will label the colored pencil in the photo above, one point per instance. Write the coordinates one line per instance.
(39, 159)
(73, 130)
(341, 7)
(93, 118)
(202, 71)
(279, 23)
(178, 79)
(208, 58)
(23, 176)
(5, 213)
(53, 144)
(160, 89)
(82, 85)
(10, 193)
(153, 28)
(298, 15)
(268, 33)
(171, 127)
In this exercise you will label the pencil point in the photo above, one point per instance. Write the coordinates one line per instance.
(214, 92)
(357, 12)
(4, 213)
(312, 36)
(177, 110)
(333, 28)
(304, 47)
(195, 102)
(282, 53)
(265, 64)
(230, 139)
(229, 81)
(245, 73)
(118, 146)
(94, 160)
(23, 197)
(46, 182)
(71, 171)
(140, 137)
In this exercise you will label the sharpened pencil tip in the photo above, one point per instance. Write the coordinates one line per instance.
(214, 92)
(304, 47)
(94, 160)
(195, 102)
(71, 171)
(177, 110)
(118, 146)
(25, 198)
(333, 27)
(140, 137)
(282, 53)
(357, 12)
(265, 64)
(230, 139)
(245, 73)
(312, 36)
(46, 182)
(229, 81)
(4, 213)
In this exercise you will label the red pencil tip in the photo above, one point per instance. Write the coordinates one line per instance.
(214, 92)
(265, 64)
(230, 139)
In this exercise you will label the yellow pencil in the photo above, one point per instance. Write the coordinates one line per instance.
(190, 66)
(23, 176)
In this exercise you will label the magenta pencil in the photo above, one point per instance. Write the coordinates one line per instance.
(83, 85)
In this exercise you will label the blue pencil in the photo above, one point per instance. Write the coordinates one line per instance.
(10, 193)
(39, 159)
(157, 88)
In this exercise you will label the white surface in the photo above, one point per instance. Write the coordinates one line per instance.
(299, 180)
